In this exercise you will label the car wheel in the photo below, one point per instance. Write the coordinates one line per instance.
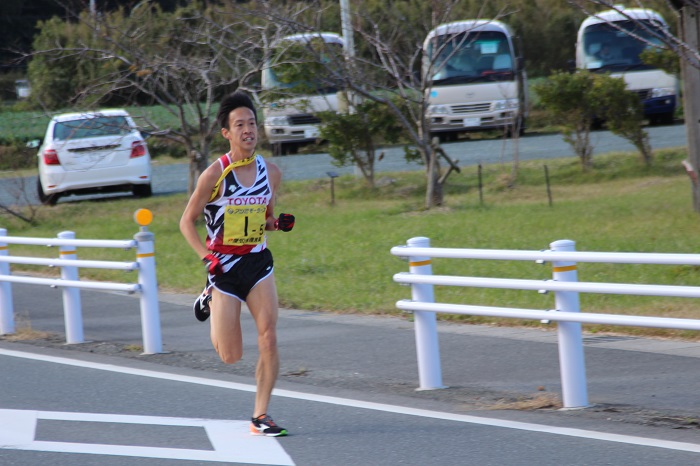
(142, 190)
(46, 199)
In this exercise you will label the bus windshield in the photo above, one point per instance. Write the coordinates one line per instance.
(610, 48)
(296, 68)
(471, 57)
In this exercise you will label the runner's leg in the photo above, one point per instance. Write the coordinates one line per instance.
(226, 326)
(263, 305)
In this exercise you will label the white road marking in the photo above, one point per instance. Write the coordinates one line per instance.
(231, 440)
(579, 433)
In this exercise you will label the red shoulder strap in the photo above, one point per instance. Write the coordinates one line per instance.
(225, 161)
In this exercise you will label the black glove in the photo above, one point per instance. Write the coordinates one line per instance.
(212, 264)
(285, 222)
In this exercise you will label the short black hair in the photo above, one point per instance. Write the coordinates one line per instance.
(231, 103)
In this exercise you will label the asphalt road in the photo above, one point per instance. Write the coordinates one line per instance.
(169, 179)
(346, 393)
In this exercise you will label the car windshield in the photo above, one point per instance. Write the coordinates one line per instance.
(92, 127)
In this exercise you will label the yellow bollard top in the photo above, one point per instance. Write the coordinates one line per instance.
(143, 217)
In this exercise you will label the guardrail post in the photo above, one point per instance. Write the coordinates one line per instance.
(427, 347)
(571, 358)
(150, 312)
(7, 320)
(72, 310)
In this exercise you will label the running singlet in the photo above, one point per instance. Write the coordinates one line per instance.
(236, 220)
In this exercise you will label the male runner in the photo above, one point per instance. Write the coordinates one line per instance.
(236, 193)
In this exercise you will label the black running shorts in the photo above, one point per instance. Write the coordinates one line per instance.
(246, 272)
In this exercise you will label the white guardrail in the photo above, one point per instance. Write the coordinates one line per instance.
(68, 262)
(564, 284)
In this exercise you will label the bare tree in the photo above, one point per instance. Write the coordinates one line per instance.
(17, 195)
(16, 201)
(389, 71)
(182, 61)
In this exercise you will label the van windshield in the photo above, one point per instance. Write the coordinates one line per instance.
(91, 127)
(471, 57)
(611, 48)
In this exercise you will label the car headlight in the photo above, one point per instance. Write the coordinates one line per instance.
(438, 109)
(662, 91)
(505, 104)
(277, 121)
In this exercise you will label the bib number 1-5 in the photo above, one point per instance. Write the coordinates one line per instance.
(244, 225)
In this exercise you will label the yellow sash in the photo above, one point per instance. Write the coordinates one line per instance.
(227, 170)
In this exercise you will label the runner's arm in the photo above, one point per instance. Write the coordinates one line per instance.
(195, 207)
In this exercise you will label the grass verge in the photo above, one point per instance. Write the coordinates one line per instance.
(337, 258)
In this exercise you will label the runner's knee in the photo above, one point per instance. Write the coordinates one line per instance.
(267, 341)
(230, 357)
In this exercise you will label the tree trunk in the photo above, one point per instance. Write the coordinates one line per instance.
(431, 180)
(434, 193)
(198, 163)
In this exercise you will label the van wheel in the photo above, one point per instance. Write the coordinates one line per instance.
(516, 129)
(46, 199)
(448, 137)
(142, 190)
(663, 119)
(290, 149)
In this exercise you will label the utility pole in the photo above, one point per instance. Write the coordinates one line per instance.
(690, 34)
(347, 98)
(346, 22)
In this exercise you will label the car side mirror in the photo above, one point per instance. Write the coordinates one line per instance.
(145, 134)
(34, 143)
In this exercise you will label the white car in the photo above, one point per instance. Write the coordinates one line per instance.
(93, 152)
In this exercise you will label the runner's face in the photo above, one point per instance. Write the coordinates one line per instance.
(242, 131)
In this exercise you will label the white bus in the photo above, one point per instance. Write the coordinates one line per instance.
(477, 79)
(289, 118)
(606, 43)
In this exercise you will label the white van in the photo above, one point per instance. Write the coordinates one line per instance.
(291, 120)
(477, 79)
(606, 43)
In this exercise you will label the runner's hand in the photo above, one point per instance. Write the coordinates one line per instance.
(212, 264)
(285, 222)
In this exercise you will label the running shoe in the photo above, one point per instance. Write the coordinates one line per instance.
(264, 425)
(201, 306)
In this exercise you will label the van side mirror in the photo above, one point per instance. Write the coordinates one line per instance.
(34, 143)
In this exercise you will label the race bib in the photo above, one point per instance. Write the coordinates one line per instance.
(244, 225)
